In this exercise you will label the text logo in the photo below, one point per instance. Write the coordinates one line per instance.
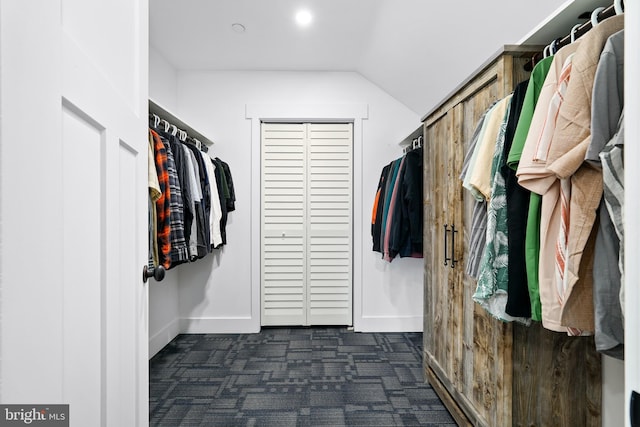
(34, 415)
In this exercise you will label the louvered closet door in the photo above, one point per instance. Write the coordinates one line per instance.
(329, 228)
(283, 224)
(306, 224)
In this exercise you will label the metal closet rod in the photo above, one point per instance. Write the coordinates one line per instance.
(187, 138)
(579, 32)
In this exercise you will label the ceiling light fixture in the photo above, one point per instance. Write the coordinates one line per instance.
(304, 18)
(238, 28)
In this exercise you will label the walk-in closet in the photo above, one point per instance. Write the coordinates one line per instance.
(322, 212)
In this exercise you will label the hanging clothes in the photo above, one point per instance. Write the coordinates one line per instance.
(154, 194)
(533, 175)
(179, 253)
(608, 89)
(378, 206)
(532, 233)
(478, 232)
(518, 300)
(186, 198)
(163, 204)
(397, 216)
(406, 229)
(566, 160)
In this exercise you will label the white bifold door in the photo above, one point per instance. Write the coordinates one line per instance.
(307, 187)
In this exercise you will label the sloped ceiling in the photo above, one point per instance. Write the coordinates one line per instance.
(416, 50)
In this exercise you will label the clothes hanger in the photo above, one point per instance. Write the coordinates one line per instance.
(546, 50)
(594, 16)
(617, 6)
(573, 32)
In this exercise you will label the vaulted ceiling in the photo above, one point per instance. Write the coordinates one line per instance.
(416, 50)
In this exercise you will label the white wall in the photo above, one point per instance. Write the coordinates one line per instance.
(217, 293)
(163, 81)
(163, 296)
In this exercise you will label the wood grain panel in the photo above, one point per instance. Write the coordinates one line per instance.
(494, 373)
(551, 373)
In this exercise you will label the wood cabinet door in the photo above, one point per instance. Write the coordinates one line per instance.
(468, 350)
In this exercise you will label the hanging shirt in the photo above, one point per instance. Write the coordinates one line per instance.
(179, 252)
(222, 189)
(613, 179)
(202, 215)
(534, 175)
(492, 286)
(407, 229)
(378, 206)
(393, 175)
(154, 195)
(608, 89)
(480, 181)
(195, 198)
(215, 214)
(518, 301)
(163, 204)
(532, 234)
(230, 195)
(566, 157)
(391, 212)
(478, 233)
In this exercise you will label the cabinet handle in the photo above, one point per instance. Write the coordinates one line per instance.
(446, 258)
(453, 246)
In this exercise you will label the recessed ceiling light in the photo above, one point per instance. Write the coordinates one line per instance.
(304, 18)
(238, 28)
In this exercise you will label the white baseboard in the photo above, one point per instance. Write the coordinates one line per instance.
(389, 324)
(164, 337)
(219, 325)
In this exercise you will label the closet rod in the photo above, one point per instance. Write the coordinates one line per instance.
(584, 28)
(411, 142)
(579, 32)
(163, 113)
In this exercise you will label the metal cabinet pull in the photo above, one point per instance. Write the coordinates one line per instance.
(446, 258)
(453, 246)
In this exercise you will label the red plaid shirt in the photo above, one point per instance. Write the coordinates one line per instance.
(163, 204)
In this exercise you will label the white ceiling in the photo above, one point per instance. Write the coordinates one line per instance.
(416, 50)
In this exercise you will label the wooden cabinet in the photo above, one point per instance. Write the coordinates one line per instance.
(487, 372)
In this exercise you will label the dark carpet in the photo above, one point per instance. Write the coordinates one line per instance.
(293, 377)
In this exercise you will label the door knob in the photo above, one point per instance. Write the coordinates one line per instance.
(157, 273)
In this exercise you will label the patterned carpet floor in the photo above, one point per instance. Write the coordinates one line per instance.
(293, 377)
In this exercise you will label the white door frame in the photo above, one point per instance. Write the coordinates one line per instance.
(354, 113)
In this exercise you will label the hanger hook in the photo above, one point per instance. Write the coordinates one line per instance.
(617, 6)
(594, 16)
(554, 47)
(573, 32)
(545, 51)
